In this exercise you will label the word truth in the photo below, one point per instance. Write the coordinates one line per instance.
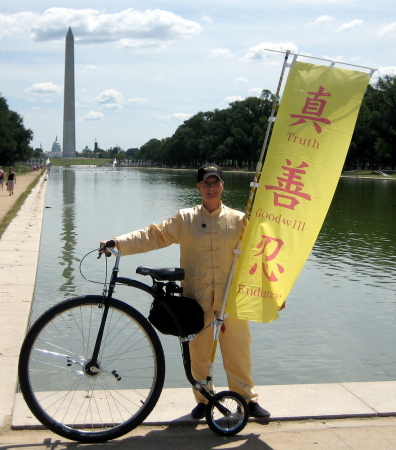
(291, 137)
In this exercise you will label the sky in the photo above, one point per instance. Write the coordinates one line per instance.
(144, 67)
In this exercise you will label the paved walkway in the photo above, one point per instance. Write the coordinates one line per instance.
(303, 416)
(7, 200)
(19, 249)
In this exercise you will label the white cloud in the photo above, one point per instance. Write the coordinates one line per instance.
(388, 30)
(322, 20)
(111, 106)
(255, 92)
(260, 53)
(92, 26)
(350, 25)
(143, 46)
(382, 71)
(221, 53)
(13, 24)
(181, 117)
(138, 100)
(93, 115)
(88, 68)
(44, 88)
(232, 98)
(109, 97)
(241, 80)
(206, 19)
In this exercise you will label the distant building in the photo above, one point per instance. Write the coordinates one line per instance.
(86, 149)
(56, 150)
(56, 147)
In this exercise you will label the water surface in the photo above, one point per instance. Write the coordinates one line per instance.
(340, 320)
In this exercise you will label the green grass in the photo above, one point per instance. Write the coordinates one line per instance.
(79, 161)
(19, 169)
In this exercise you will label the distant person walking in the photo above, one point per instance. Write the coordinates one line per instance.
(11, 181)
(2, 178)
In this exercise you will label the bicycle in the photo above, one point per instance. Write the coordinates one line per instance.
(92, 368)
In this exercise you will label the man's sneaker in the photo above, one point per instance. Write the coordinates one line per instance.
(199, 411)
(255, 410)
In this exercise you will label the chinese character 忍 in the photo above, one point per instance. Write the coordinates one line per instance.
(313, 110)
(289, 184)
(268, 257)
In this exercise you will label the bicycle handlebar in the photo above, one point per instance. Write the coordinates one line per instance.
(110, 246)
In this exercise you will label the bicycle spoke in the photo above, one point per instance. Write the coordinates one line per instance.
(123, 385)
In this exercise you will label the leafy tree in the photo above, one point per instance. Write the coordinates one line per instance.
(247, 125)
(361, 152)
(151, 150)
(99, 153)
(38, 153)
(120, 155)
(14, 137)
(112, 153)
(385, 111)
(230, 136)
(374, 140)
(131, 151)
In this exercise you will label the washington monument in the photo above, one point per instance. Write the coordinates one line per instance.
(69, 115)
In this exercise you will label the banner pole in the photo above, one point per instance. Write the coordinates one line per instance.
(252, 191)
(271, 118)
(253, 185)
(253, 188)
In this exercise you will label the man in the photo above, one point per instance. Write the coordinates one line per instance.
(207, 235)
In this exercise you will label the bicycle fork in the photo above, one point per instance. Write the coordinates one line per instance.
(202, 386)
(92, 368)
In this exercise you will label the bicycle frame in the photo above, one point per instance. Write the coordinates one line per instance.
(205, 387)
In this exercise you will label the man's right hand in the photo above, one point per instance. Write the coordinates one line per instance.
(111, 243)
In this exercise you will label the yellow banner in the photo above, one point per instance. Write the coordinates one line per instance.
(309, 143)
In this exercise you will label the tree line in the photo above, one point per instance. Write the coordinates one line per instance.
(233, 136)
(373, 144)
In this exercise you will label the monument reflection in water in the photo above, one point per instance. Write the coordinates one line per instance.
(68, 235)
(339, 324)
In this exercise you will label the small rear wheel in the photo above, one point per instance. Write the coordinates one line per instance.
(233, 420)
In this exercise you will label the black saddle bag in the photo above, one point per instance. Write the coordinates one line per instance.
(184, 310)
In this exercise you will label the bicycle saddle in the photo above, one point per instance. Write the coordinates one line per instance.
(163, 274)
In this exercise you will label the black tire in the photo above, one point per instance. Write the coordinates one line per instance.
(91, 407)
(227, 425)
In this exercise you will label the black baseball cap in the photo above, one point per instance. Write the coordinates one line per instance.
(208, 170)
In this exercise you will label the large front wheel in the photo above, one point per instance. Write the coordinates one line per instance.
(91, 402)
